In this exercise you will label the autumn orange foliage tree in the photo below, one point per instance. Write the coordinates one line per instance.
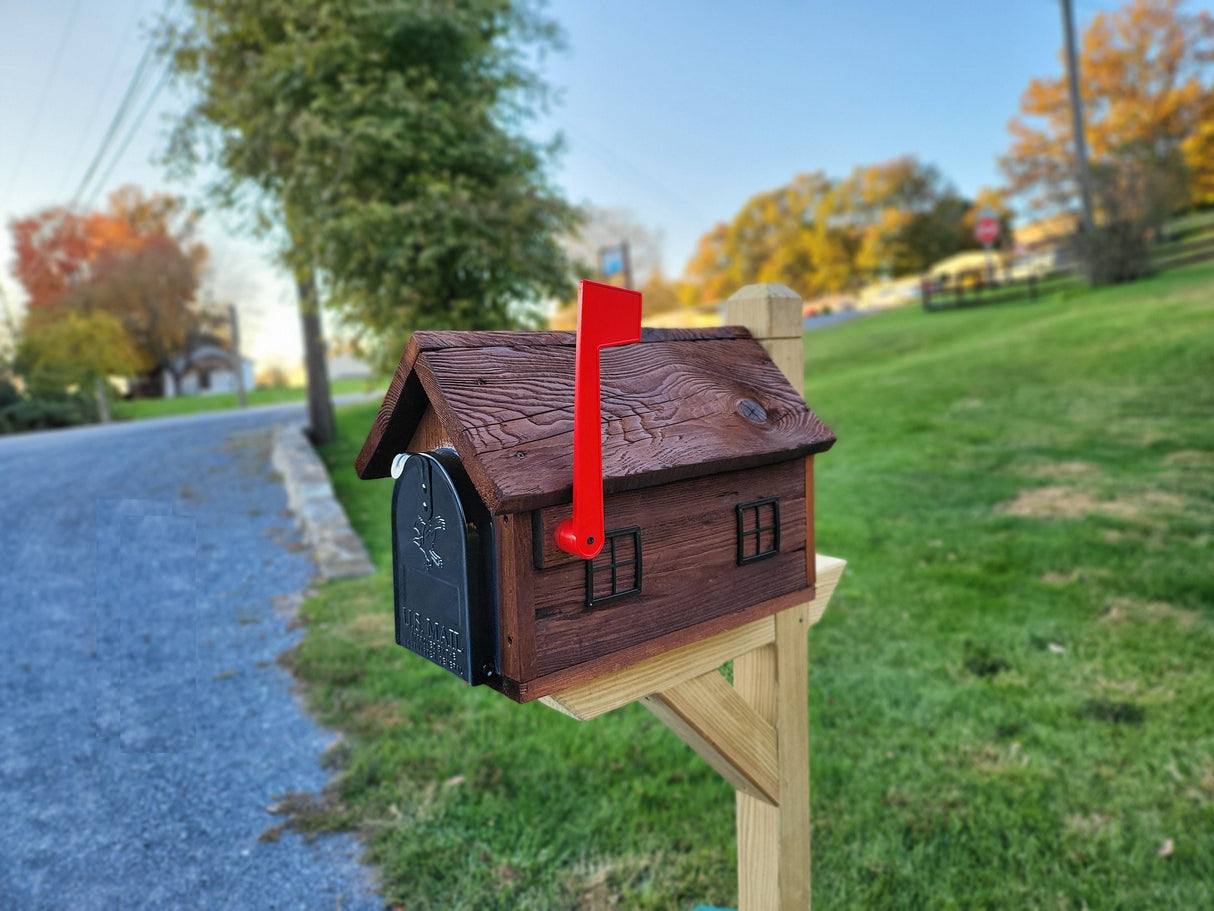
(817, 234)
(138, 262)
(1145, 81)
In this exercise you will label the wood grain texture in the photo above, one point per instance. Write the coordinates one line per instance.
(679, 514)
(402, 405)
(754, 670)
(526, 691)
(810, 549)
(394, 425)
(690, 572)
(436, 341)
(767, 310)
(670, 410)
(711, 718)
(601, 695)
(774, 845)
(758, 823)
(758, 827)
(516, 611)
(792, 727)
(429, 434)
(787, 354)
(827, 571)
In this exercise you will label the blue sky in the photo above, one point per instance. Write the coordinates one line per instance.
(677, 111)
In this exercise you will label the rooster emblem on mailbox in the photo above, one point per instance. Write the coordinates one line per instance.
(425, 531)
(601, 497)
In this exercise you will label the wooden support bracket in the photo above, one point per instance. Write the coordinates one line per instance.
(711, 718)
(755, 733)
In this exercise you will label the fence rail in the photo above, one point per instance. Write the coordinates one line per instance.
(938, 296)
(951, 296)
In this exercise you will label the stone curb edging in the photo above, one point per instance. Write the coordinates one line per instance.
(338, 551)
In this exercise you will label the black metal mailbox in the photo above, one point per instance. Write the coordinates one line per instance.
(442, 567)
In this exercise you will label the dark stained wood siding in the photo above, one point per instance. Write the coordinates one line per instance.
(515, 598)
(690, 570)
(396, 421)
(648, 648)
(429, 435)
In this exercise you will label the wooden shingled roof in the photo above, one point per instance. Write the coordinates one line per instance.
(680, 404)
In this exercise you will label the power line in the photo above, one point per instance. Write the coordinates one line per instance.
(134, 89)
(105, 85)
(130, 134)
(138, 80)
(41, 106)
(624, 168)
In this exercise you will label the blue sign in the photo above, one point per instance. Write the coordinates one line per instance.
(611, 260)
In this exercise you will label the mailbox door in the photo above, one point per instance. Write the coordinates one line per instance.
(439, 562)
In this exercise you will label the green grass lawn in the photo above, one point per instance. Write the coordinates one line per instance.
(138, 409)
(1012, 693)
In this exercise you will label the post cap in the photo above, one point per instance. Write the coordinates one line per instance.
(767, 309)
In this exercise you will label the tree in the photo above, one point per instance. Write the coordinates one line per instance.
(1198, 152)
(52, 251)
(151, 288)
(137, 261)
(904, 216)
(1145, 80)
(383, 141)
(771, 238)
(80, 349)
(821, 235)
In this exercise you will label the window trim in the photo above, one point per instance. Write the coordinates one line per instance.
(613, 565)
(756, 532)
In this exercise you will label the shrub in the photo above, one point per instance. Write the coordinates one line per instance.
(42, 414)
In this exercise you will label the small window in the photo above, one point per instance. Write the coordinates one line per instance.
(616, 572)
(758, 530)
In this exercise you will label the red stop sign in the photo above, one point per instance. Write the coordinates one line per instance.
(986, 228)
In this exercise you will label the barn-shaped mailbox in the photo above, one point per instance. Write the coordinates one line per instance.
(707, 456)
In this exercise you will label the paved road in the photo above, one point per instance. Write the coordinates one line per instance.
(144, 726)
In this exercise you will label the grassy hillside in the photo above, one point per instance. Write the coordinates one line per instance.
(1011, 694)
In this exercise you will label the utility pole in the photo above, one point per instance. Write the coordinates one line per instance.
(237, 360)
(1081, 151)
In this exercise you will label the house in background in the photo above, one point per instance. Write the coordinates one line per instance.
(208, 369)
(345, 365)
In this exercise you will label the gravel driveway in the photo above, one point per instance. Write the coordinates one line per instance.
(144, 726)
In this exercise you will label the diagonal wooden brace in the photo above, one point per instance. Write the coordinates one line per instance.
(711, 718)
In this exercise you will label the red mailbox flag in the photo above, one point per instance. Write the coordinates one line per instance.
(606, 316)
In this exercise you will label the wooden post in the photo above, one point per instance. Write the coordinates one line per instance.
(755, 733)
(773, 841)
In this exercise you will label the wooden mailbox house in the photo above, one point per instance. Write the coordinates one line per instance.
(708, 500)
